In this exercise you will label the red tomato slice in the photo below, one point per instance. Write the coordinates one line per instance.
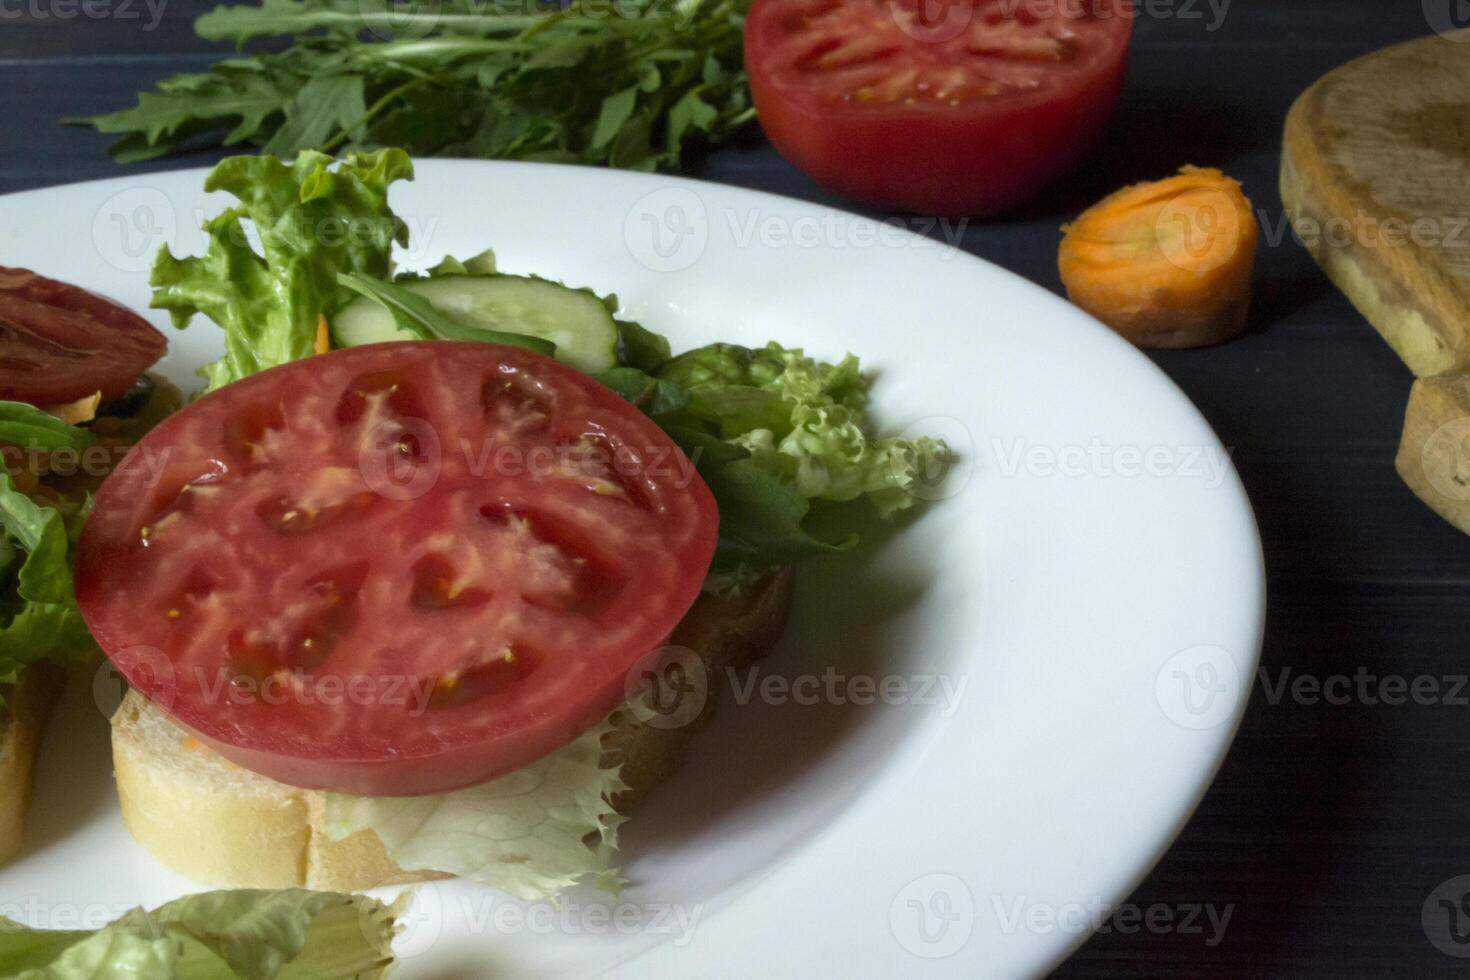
(943, 107)
(59, 342)
(395, 569)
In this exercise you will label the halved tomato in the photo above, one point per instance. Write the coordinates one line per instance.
(943, 107)
(395, 569)
(59, 342)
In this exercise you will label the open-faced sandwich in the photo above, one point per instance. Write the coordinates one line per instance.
(73, 396)
(406, 592)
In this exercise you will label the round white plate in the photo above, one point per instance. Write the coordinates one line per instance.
(1057, 653)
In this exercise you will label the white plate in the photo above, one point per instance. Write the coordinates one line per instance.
(1090, 589)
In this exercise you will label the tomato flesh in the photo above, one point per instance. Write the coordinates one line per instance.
(945, 107)
(59, 342)
(395, 569)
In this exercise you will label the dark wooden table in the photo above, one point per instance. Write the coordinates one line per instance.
(1330, 824)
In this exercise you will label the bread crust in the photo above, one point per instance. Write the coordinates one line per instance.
(28, 704)
(229, 827)
(1364, 150)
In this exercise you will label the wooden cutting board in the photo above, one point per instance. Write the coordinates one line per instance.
(1375, 175)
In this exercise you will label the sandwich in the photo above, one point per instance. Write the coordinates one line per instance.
(443, 570)
(73, 395)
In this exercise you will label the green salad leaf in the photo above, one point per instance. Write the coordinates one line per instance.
(524, 833)
(38, 611)
(257, 935)
(775, 434)
(313, 224)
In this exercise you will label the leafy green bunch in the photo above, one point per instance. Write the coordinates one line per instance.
(629, 83)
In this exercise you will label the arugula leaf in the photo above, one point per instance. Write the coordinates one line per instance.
(324, 105)
(260, 935)
(760, 518)
(29, 427)
(639, 347)
(419, 317)
(631, 84)
(313, 224)
(660, 399)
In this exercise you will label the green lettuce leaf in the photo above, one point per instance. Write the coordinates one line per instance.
(258, 935)
(38, 611)
(479, 265)
(524, 833)
(805, 423)
(776, 435)
(313, 223)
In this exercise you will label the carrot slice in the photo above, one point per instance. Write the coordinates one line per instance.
(323, 335)
(1165, 263)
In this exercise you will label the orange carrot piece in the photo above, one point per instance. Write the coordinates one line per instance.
(323, 335)
(1165, 263)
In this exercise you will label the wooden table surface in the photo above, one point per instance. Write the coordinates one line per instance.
(1330, 824)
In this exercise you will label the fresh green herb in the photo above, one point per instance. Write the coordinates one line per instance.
(628, 83)
(220, 935)
(418, 316)
(26, 426)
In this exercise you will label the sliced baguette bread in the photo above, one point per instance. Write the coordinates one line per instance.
(227, 826)
(28, 702)
(1375, 169)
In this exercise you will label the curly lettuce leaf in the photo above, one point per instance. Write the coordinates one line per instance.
(524, 833)
(776, 435)
(313, 223)
(258, 935)
(805, 423)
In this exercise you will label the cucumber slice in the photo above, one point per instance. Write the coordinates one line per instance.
(575, 320)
